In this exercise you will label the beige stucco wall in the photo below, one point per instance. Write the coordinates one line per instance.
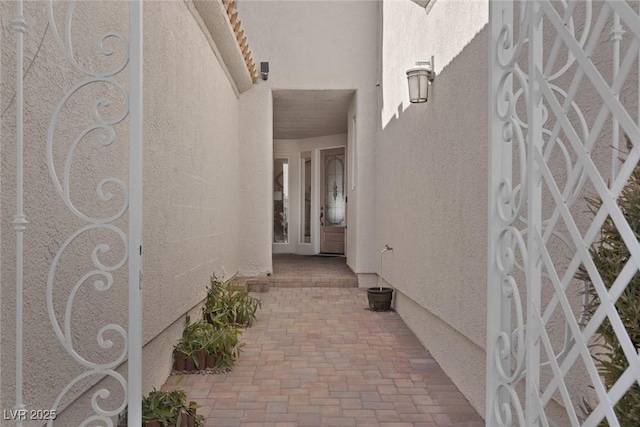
(432, 182)
(309, 45)
(256, 189)
(191, 187)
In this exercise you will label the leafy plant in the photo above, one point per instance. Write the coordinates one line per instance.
(610, 254)
(195, 336)
(221, 342)
(225, 306)
(224, 345)
(166, 407)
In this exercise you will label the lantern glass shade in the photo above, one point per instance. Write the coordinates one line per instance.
(418, 84)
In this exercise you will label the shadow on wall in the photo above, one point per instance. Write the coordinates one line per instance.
(421, 37)
(436, 153)
(432, 187)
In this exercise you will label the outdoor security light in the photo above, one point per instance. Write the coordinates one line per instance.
(264, 70)
(419, 78)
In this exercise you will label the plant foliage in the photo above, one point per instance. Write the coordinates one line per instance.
(221, 342)
(225, 306)
(224, 345)
(610, 254)
(195, 336)
(167, 408)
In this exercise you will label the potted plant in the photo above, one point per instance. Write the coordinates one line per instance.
(166, 409)
(225, 306)
(189, 352)
(380, 298)
(223, 348)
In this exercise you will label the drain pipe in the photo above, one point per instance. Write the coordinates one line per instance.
(385, 249)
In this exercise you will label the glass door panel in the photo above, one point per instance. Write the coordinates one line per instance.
(305, 197)
(280, 200)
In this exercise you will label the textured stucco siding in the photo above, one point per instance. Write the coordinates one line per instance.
(256, 181)
(309, 45)
(191, 187)
(432, 182)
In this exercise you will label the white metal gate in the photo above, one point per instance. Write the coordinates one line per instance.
(126, 79)
(563, 101)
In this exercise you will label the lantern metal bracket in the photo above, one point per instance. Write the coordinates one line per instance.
(429, 66)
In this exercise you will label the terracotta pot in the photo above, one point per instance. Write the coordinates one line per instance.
(191, 420)
(180, 360)
(202, 359)
(184, 418)
(153, 423)
(189, 364)
(211, 361)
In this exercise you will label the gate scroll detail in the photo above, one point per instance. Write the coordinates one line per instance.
(103, 129)
(564, 98)
(123, 223)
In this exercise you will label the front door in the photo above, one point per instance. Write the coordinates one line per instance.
(332, 201)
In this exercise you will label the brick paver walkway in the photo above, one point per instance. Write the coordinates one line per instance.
(317, 357)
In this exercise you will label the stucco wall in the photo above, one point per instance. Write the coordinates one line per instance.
(191, 187)
(432, 182)
(309, 45)
(256, 187)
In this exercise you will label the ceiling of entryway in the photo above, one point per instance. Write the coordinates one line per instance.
(299, 114)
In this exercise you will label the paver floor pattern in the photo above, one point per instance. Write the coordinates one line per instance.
(317, 357)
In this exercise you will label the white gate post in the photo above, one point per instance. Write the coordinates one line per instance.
(134, 377)
(500, 174)
(19, 221)
(534, 216)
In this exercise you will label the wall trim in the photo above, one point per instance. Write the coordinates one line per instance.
(214, 23)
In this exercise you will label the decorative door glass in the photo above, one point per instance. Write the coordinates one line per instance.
(334, 191)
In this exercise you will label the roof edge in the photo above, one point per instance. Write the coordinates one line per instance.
(229, 39)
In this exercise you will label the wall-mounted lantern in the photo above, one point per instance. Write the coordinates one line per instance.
(419, 78)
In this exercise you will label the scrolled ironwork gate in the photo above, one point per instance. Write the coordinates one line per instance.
(563, 102)
(123, 223)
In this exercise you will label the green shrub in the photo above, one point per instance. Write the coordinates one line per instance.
(225, 306)
(166, 407)
(610, 254)
(224, 345)
(219, 341)
(195, 336)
